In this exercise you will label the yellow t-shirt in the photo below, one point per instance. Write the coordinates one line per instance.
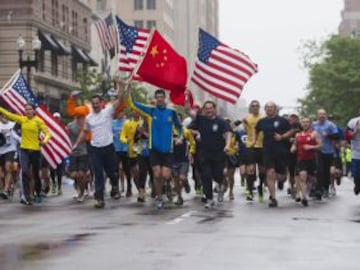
(251, 121)
(30, 130)
(128, 135)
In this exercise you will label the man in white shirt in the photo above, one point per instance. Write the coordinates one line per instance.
(102, 152)
(8, 147)
(353, 129)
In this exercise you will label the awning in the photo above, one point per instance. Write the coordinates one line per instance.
(63, 50)
(92, 61)
(47, 43)
(80, 55)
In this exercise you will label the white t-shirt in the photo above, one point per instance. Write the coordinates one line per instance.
(100, 125)
(355, 142)
(11, 137)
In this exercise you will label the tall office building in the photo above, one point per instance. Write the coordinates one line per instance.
(350, 23)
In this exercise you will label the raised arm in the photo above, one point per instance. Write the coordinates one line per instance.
(12, 116)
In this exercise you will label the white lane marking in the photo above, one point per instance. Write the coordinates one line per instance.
(180, 218)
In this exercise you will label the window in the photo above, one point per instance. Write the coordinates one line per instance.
(139, 23)
(41, 60)
(138, 4)
(151, 4)
(74, 69)
(55, 12)
(85, 29)
(74, 24)
(100, 5)
(54, 63)
(151, 24)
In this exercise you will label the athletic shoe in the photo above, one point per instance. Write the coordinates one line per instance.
(160, 204)
(221, 194)
(305, 202)
(198, 191)
(99, 204)
(179, 201)
(81, 199)
(332, 191)
(25, 202)
(209, 204)
(115, 194)
(140, 200)
(4, 195)
(273, 203)
(298, 199)
(261, 198)
(249, 198)
(53, 189)
(38, 199)
(203, 199)
(356, 190)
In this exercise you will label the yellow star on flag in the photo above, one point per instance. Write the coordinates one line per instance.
(154, 51)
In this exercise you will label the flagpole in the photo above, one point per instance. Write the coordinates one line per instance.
(6, 85)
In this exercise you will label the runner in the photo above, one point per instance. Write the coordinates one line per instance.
(276, 132)
(328, 132)
(161, 122)
(214, 143)
(31, 126)
(8, 147)
(254, 152)
(306, 143)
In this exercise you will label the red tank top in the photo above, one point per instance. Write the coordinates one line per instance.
(302, 139)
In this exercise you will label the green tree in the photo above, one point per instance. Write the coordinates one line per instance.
(334, 71)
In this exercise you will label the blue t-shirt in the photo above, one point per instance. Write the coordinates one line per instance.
(117, 126)
(270, 126)
(242, 144)
(330, 129)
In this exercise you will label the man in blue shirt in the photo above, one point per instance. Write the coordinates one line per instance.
(161, 123)
(277, 131)
(328, 132)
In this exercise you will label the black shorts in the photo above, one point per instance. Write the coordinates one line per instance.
(43, 163)
(133, 161)
(255, 156)
(180, 168)
(7, 157)
(292, 160)
(232, 161)
(161, 159)
(306, 165)
(80, 163)
(337, 163)
(275, 161)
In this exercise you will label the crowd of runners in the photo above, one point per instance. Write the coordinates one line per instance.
(150, 149)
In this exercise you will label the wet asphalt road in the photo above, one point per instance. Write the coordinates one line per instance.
(62, 234)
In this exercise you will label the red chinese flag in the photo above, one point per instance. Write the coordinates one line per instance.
(164, 67)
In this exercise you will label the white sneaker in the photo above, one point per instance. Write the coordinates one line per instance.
(209, 204)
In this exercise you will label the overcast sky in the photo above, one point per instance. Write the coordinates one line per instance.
(271, 32)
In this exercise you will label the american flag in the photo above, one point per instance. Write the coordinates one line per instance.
(108, 34)
(221, 70)
(132, 43)
(16, 94)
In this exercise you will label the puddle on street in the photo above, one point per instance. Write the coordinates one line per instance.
(14, 257)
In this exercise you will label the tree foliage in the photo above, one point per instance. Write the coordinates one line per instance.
(334, 77)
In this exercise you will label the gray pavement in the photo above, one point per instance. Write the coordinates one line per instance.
(62, 234)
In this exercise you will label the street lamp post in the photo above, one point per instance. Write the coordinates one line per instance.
(36, 46)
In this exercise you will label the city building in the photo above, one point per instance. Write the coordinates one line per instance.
(63, 27)
(350, 23)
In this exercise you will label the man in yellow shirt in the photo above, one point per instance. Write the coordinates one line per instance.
(30, 145)
(254, 151)
(127, 136)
